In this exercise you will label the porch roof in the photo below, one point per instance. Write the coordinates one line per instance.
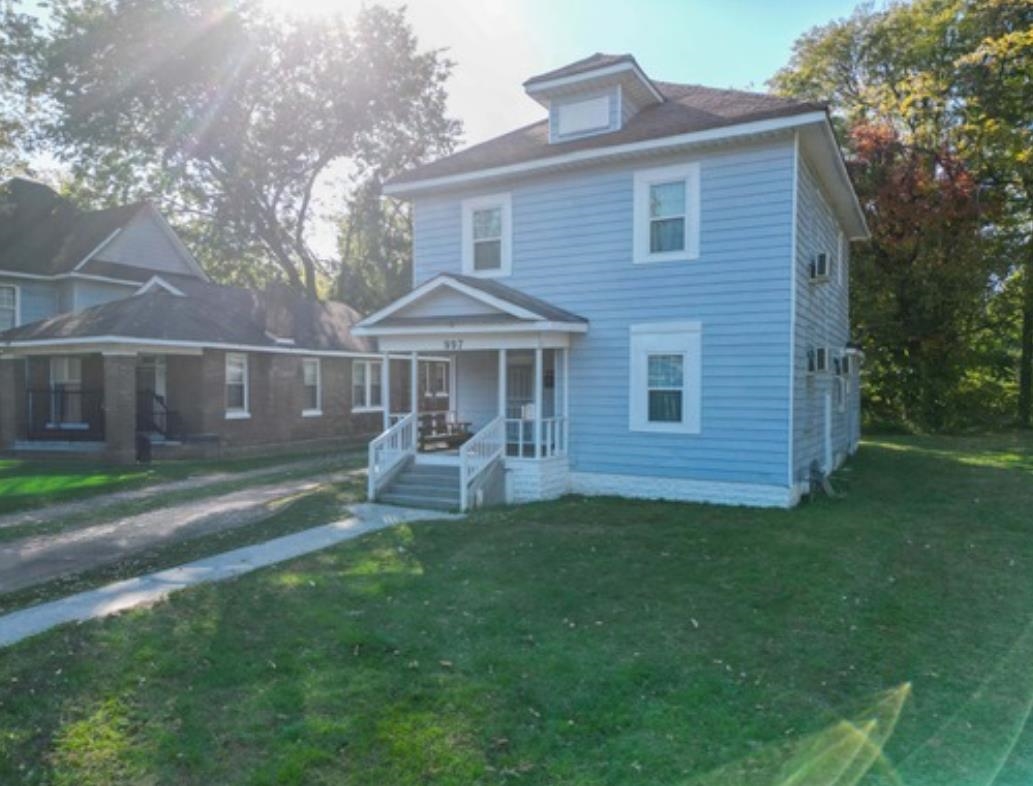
(475, 304)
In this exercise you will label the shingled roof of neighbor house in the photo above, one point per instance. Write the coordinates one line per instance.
(205, 314)
(43, 233)
(685, 109)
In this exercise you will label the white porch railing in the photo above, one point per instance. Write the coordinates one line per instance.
(388, 450)
(477, 454)
(520, 437)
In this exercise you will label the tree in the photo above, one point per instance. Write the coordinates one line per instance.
(235, 119)
(951, 80)
(16, 32)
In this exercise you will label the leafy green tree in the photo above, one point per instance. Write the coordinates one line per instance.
(236, 120)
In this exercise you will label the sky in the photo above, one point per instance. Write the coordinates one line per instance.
(496, 45)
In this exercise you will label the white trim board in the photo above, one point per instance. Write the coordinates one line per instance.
(584, 76)
(157, 282)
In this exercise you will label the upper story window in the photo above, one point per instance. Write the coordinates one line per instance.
(238, 394)
(666, 377)
(312, 379)
(8, 306)
(487, 236)
(584, 116)
(666, 220)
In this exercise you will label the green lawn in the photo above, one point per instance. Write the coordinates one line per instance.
(27, 484)
(882, 637)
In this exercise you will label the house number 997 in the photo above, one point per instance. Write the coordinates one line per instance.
(454, 344)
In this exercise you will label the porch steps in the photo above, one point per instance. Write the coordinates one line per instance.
(431, 486)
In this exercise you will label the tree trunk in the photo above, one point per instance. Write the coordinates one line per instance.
(1026, 358)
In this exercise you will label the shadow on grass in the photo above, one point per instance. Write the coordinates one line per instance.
(881, 637)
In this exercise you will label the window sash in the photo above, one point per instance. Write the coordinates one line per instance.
(367, 390)
(311, 374)
(237, 394)
(665, 387)
(8, 307)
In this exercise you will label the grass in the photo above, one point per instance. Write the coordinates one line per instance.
(29, 484)
(882, 637)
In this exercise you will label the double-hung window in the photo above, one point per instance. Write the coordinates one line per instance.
(237, 393)
(66, 393)
(665, 380)
(312, 379)
(487, 236)
(367, 394)
(435, 379)
(8, 307)
(666, 220)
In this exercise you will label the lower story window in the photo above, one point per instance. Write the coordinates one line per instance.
(8, 307)
(312, 379)
(237, 393)
(665, 381)
(66, 391)
(366, 385)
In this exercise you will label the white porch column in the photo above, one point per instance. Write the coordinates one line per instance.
(538, 402)
(414, 384)
(502, 382)
(566, 398)
(385, 389)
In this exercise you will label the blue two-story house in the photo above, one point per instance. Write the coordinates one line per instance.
(644, 294)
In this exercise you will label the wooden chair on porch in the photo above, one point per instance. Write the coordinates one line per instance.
(442, 430)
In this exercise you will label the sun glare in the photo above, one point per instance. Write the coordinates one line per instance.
(314, 7)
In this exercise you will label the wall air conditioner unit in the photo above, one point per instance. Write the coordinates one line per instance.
(820, 267)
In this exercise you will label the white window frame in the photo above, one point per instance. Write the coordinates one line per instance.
(17, 302)
(244, 412)
(368, 386)
(666, 338)
(429, 369)
(840, 258)
(505, 203)
(317, 411)
(583, 116)
(643, 180)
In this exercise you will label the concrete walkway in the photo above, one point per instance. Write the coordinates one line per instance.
(96, 504)
(148, 589)
(41, 558)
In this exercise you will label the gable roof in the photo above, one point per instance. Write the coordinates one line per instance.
(203, 314)
(590, 63)
(508, 304)
(685, 109)
(42, 233)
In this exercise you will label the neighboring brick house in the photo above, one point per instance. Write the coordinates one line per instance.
(113, 332)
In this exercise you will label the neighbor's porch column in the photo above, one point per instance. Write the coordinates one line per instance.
(385, 389)
(566, 398)
(414, 384)
(119, 408)
(502, 382)
(10, 399)
(538, 369)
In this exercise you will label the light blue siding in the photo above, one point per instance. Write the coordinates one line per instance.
(822, 320)
(144, 243)
(36, 299)
(572, 246)
(477, 375)
(94, 293)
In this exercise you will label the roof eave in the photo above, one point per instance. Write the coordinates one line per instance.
(662, 144)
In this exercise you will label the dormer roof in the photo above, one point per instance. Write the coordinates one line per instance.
(594, 72)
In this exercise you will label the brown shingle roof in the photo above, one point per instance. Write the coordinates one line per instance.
(590, 63)
(686, 108)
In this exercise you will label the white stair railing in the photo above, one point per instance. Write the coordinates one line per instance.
(388, 450)
(477, 454)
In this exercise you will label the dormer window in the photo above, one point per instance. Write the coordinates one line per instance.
(487, 233)
(582, 117)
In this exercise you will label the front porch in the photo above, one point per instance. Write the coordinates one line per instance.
(506, 435)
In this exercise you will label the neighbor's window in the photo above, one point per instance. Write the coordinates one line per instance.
(486, 235)
(666, 387)
(312, 378)
(435, 379)
(66, 393)
(366, 385)
(666, 214)
(8, 307)
(237, 393)
(665, 381)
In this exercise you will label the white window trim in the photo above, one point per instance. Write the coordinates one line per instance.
(640, 231)
(583, 113)
(840, 256)
(505, 203)
(684, 338)
(238, 413)
(317, 411)
(368, 385)
(17, 302)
